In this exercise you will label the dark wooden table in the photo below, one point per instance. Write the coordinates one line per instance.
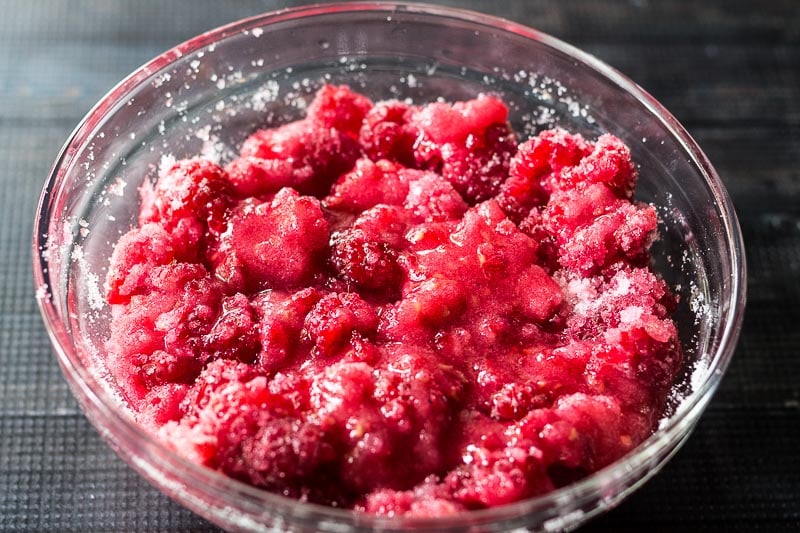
(729, 70)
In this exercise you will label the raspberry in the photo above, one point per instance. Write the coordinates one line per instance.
(425, 500)
(253, 176)
(431, 303)
(332, 321)
(280, 318)
(609, 163)
(193, 188)
(469, 142)
(367, 185)
(545, 156)
(155, 337)
(339, 108)
(235, 333)
(387, 134)
(495, 477)
(595, 229)
(135, 255)
(273, 244)
(624, 233)
(318, 155)
(384, 223)
(455, 123)
(568, 211)
(600, 304)
(432, 199)
(478, 169)
(409, 401)
(367, 264)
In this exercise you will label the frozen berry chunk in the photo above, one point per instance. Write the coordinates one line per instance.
(626, 232)
(280, 319)
(339, 108)
(367, 264)
(478, 169)
(236, 423)
(470, 143)
(234, 335)
(432, 199)
(194, 188)
(254, 176)
(156, 336)
(384, 223)
(454, 123)
(273, 244)
(369, 184)
(598, 304)
(531, 169)
(591, 432)
(594, 228)
(645, 352)
(609, 163)
(426, 500)
(490, 242)
(387, 134)
(568, 211)
(431, 303)
(542, 159)
(397, 415)
(135, 255)
(335, 318)
(318, 154)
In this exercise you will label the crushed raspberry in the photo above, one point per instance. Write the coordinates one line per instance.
(318, 154)
(454, 123)
(470, 143)
(157, 333)
(609, 163)
(369, 184)
(134, 257)
(431, 199)
(280, 318)
(193, 188)
(273, 244)
(336, 318)
(253, 176)
(426, 500)
(532, 168)
(394, 308)
(479, 168)
(339, 108)
(384, 223)
(234, 335)
(387, 134)
(368, 264)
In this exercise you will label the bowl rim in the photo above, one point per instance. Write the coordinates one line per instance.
(678, 424)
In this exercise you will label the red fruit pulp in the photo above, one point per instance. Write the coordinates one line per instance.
(396, 308)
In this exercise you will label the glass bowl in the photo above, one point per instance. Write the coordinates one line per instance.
(206, 95)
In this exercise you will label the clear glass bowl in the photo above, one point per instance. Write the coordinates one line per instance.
(207, 94)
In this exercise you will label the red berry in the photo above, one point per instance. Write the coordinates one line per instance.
(340, 108)
(318, 154)
(192, 188)
(273, 244)
(366, 264)
(335, 318)
(387, 134)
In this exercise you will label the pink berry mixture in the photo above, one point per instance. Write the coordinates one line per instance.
(399, 309)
